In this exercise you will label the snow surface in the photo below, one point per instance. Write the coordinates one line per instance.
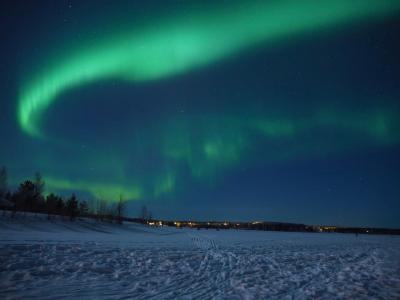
(59, 259)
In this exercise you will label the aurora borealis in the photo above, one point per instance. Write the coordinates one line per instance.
(179, 104)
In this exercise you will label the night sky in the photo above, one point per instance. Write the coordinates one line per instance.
(263, 110)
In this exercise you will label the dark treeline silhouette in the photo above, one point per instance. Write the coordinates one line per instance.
(29, 197)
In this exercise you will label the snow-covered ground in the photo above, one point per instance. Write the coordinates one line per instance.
(41, 259)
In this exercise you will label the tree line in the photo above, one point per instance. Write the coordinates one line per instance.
(29, 197)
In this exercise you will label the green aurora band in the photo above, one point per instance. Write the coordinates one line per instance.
(224, 142)
(188, 42)
(184, 44)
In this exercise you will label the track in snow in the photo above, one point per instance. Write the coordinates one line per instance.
(196, 265)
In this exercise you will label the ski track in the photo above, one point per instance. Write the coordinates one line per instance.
(202, 265)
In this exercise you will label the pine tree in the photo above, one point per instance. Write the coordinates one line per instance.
(3, 182)
(25, 198)
(60, 206)
(39, 185)
(120, 210)
(72, 207)
(51, 204)
(83, 208)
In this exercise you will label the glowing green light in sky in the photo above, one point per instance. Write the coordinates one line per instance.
(224, 142)
(184, 43)
(104, 191)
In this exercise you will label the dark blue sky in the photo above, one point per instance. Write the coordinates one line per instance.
(303, 128)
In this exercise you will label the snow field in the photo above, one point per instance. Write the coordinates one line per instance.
(86, 260)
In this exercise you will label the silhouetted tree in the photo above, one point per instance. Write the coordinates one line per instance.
(14, 201)
(72, 207)
(102, 208)
(8, 195)
(39, 184)
(39, 187)
(60, 206)
(51, 204)
(91, 207)
(120, 210)
(25, 198)
(3, 182)
(83, 208)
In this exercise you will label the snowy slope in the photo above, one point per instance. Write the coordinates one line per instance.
(86, 259)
